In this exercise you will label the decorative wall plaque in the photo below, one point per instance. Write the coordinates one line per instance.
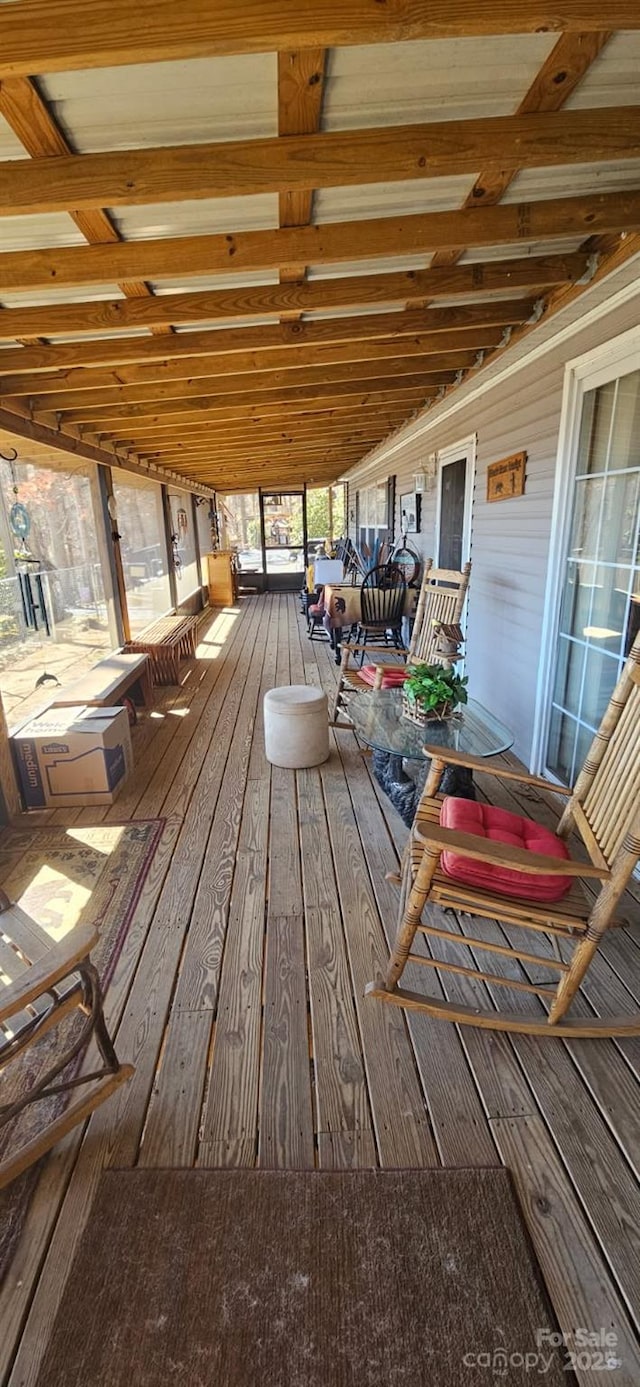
(506, 478)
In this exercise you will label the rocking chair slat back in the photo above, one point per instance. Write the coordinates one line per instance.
(608, 789)
(442, 597)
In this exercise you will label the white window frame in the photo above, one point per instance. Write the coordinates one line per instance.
(466, 448)
(618, 357)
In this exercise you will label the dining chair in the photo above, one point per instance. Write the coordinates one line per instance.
(441, 600)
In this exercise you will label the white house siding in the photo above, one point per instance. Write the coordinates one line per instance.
(509, 539)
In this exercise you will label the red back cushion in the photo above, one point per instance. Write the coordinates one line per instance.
(390, 679)
(484, 821)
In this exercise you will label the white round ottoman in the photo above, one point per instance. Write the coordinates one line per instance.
(296, 726)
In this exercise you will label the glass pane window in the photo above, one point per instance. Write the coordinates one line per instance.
(185, 552)
(144, 550)
(600, 597)
(240, 529)
(283, 514)
(373, 514)
(56, 602)
(205, 536)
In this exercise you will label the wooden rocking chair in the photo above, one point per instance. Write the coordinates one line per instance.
(45, 982)
(440, 600)
(604, 809)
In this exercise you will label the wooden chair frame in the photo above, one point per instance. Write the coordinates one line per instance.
(42, 992)
(604, 809)
(441, 598)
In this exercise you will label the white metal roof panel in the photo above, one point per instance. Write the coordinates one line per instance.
(577, 180)
(382, 264)
(223, 281)
(46, 298)
(360, 311)
(488, 296)
(431, 79)
(614, 78)
(220, 323)
(183, 102)
(38, 232)
(255, 212)
(520, 250)
(10, 146)
(109, 334)
(365, 201)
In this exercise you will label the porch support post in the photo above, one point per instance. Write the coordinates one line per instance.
(168, 530)
(196, 542)
(105, 483)
(8, 784)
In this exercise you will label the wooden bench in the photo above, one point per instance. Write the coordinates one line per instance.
(167, 642)
(109, 681)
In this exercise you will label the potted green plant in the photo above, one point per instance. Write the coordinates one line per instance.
(432, 692)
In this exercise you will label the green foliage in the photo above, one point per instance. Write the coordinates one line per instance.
(8, 627)
(318, 513)
(432, 686)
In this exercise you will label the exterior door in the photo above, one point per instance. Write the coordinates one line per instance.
(600, 576)
(284, 540)
(452, 513)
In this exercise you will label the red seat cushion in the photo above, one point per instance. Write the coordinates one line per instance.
(484, 821)
(390, 679)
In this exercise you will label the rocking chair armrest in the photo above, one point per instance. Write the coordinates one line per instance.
(486, 765)
(505, 854)
(373, 645)
(60, 960)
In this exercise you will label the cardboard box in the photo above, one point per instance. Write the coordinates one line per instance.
(73, 756)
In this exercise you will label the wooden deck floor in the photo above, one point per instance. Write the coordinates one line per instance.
(239, 998)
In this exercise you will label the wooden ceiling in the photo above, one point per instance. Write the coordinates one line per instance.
(323, 341)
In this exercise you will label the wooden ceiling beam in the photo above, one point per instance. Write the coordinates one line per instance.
(305, 444)
(31, 120)
(268, 466)
(334, 159)
(229, 430)
(222, 401)
(365, 411)
(88, 402)
(560, 74)
(266, 470)
(408, 288)
(279, 409)
(313, 430)
(173, 257)
(63, 35)
(451, 323)
(300, 94)
(68, 443)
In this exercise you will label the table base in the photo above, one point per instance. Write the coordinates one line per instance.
(405, 793)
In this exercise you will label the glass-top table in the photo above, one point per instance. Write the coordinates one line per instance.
(378, 722)
(377, 718)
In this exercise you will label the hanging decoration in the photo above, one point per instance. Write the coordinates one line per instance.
(19, 520)
(212, 517)
(175, 554)
(183, 521)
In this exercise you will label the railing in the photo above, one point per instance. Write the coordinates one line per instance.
(36, 602)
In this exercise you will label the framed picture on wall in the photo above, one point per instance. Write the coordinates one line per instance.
(410, 513)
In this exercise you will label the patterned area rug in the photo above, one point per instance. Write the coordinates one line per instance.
(61, 876)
